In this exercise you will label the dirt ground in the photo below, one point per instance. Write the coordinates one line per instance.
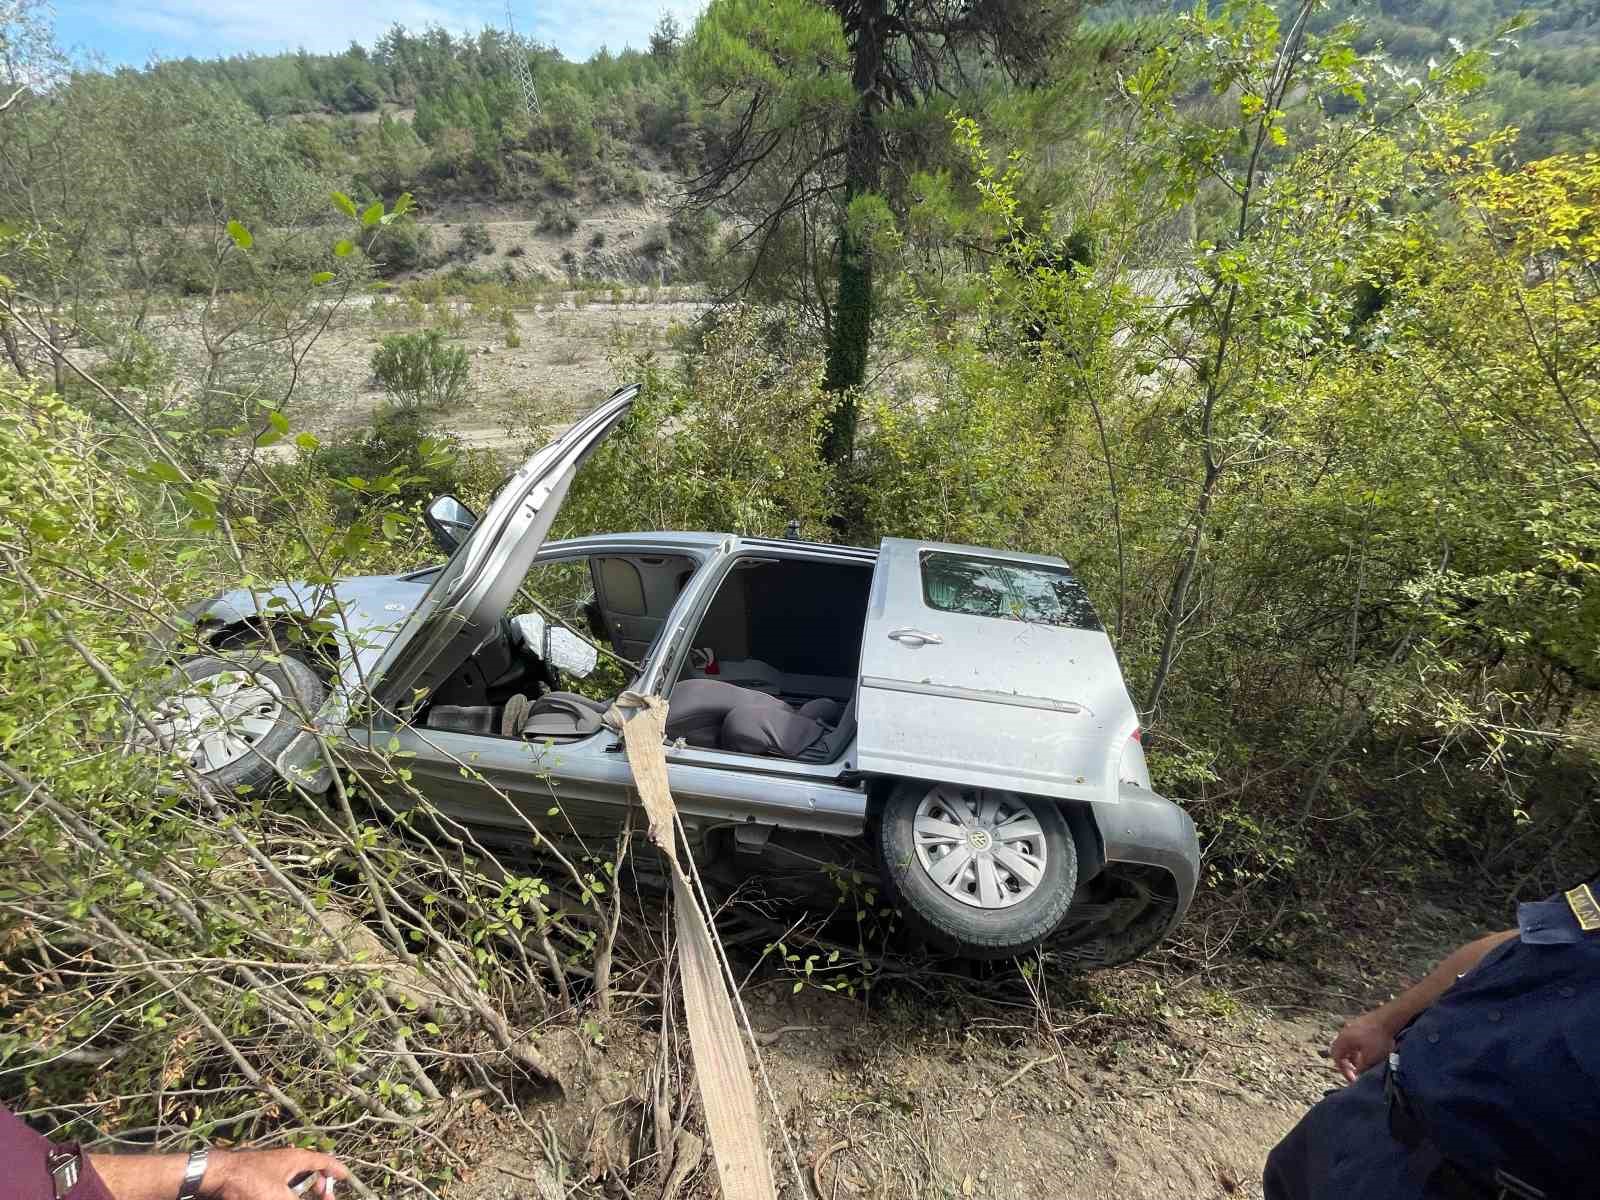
(563, 366)
(1167, 1078)
(567, 359)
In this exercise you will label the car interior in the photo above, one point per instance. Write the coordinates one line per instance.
(772, 667)
(771, 670)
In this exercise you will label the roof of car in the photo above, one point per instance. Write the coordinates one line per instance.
(693, 540)
(704, 541)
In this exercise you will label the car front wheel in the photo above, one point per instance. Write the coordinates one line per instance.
(981, 872)
(230, 718)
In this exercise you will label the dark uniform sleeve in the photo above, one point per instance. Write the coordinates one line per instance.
(25, 1169)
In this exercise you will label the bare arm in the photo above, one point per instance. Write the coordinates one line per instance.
(230, 1174)
(140, 1176)
(1368, 1039)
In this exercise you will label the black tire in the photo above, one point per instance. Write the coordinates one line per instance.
(302, 694)
(959, 927)
(1111, 942)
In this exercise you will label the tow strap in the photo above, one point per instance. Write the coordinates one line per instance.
(733, 1121)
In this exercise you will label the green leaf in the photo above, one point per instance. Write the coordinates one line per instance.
(346, 205)
(403, 205)
(393, 527)
(343, 248)
(164, 472)
(374, 213)
(306, 441)
(320, 278)
(240, 235)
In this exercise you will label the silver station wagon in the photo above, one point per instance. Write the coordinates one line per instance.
(948, 717)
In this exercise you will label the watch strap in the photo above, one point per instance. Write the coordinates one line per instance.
(193, 1174)
(65, 1165)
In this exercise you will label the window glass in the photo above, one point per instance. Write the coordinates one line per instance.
(992, 587)
(563, 589)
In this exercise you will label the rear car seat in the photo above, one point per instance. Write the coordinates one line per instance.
(697, 709)
(716, 715)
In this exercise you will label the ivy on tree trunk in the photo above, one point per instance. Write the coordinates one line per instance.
(851, 331)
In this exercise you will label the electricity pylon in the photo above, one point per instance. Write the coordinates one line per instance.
(519, 64)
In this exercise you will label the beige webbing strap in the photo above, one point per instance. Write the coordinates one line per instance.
(727, 1093)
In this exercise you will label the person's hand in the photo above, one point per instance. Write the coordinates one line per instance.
(1364, 1042)
(265, 1174)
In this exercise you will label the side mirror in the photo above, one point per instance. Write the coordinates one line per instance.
(449, 521)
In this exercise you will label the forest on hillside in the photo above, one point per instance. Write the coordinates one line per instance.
(451, 120)
(1279, 323)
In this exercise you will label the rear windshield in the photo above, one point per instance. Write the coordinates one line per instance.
(993, 587)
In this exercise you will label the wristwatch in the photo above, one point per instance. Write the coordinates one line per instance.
(193, 1174)
(65, 1166)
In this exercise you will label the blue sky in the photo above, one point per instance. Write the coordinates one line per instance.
(131, 31)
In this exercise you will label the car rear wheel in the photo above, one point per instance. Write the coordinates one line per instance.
(230, 718)
(981, 872)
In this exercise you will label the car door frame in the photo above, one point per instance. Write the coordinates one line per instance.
(818, 797)
(591, 767)
(593, 773)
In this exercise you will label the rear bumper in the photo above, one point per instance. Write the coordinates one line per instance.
(1143, 827)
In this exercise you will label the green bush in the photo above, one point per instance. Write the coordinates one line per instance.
(728, 439)
(401, 246)
(420, 370)
(401, 445)
(475, 240)
(557, 219)
(555, 172)
(657, 239)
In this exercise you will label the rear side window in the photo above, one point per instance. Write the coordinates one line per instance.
(994, 587)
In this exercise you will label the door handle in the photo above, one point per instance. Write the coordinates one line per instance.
(915, 637)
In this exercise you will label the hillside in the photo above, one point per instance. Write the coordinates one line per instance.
(1546, 79)
(444, 118)
(616, 137)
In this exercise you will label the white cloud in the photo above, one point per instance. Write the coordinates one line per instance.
(131, 30)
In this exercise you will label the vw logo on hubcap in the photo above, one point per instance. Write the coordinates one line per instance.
(979, 839)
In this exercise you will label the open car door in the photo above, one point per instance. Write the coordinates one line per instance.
(990, 670)
(463, 607)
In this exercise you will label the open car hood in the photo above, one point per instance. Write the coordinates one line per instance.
(463, 606)
(362, 613)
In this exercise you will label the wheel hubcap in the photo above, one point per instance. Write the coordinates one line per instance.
(984, 848)
(216, 721)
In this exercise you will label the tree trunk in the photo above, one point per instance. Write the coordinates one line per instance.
(1180, 588)
(865, 22)
(8, 335)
